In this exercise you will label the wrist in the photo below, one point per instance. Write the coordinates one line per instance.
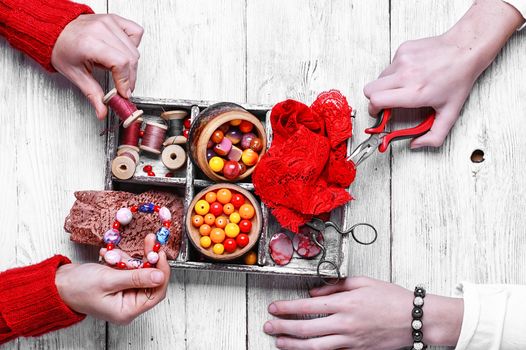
(482, 42)
(442, 320)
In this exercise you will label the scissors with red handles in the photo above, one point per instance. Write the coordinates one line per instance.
(380, 139)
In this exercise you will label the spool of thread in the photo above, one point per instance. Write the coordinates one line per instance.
(173, 157)
(129, 149)
(124, 165)
(153, 138)
(130, 135)
(175, 140)
(124, 108)
(175, 121)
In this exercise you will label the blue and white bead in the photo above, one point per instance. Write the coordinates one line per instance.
(162, 235)
(112, 236)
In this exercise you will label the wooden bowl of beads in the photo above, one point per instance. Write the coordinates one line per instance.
(223, 222)
(226, 142)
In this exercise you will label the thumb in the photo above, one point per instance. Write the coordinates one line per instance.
(93, 92)
(135, 279)
(435, 137)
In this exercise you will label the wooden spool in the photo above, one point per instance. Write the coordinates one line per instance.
(175, 140)
(133, 117)
(123, 166)
(149, 149)
(195, 236)
(208, 121)
(173, 157)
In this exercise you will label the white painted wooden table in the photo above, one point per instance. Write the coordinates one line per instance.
(441, 218)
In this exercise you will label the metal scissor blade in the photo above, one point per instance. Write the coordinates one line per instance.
(365, 149)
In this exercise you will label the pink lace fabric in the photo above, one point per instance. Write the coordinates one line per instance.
(93, 213)
(305, 172)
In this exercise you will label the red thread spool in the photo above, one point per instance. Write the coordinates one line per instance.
(153, 138)
(130, 135)
(124, 165)
(124, 108)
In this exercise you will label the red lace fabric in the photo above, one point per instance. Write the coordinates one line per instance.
(305, 172)
(93, 213)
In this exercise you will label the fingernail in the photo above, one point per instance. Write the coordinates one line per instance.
(280, 343)
(272, 308)
(267, 328)
(157, 277)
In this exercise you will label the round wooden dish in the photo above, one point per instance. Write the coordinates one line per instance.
(208, 121)
(194, 235)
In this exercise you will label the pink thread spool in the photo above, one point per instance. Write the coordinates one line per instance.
(124, 108)
(124, 165)
(130, 135)
(153, 138)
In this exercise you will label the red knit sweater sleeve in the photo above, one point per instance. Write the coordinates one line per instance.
(30, 304)
(33, 26)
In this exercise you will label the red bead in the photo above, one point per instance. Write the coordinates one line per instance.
(151, 173)
(186, 132)
(157, 247)
(116, 225)
(167, 224)
(156, 208)
(146, 265)
(169, 174)
(121, 265)
(110, 246)
(147, 168)
(141, 133)
(187, 123)
(134, 208)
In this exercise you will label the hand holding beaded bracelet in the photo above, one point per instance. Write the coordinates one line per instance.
(123, 217)
(417, 314)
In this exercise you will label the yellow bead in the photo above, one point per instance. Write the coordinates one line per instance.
(235, 218)
(216, 164)
(202, 207)
(251, 258)
(205, 241)
(218, 248)
(235, 122)
(232, 230)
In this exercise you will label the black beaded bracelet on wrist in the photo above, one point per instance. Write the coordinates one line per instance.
(418, 313)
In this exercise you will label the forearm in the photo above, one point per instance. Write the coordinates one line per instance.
(442, 320)
(484, 30)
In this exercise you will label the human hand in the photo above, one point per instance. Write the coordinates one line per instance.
(107, 41)
(439, 72)
(363, 313)
(117, 296)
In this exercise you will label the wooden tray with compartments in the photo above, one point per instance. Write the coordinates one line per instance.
(189, 180)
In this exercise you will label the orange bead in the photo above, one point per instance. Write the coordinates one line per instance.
(210, 197)
(224, 196)
(221, 221)
(246, 211)
(217, 235)
(205, 230)
(249, 157)
(197, 220)
(210, 219)
(251, 258)
(228, 208)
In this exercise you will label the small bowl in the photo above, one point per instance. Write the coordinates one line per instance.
(208, 121)
(194, 235)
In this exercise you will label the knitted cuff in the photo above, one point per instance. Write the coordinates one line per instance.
(29, 300)
(33, 26)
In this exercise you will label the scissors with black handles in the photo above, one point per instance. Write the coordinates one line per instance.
(380, 139)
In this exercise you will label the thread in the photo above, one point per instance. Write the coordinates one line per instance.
(173, 157)
(134, 151)
(175, 121)
(124, 108)
(153, 137)
(130, 135)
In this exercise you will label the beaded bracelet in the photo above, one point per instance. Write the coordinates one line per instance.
(123, 217)
(417, 314)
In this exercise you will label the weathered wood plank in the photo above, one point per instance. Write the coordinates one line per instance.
(37, 184)
(455, 220)
(297, 52)
(193, 50)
